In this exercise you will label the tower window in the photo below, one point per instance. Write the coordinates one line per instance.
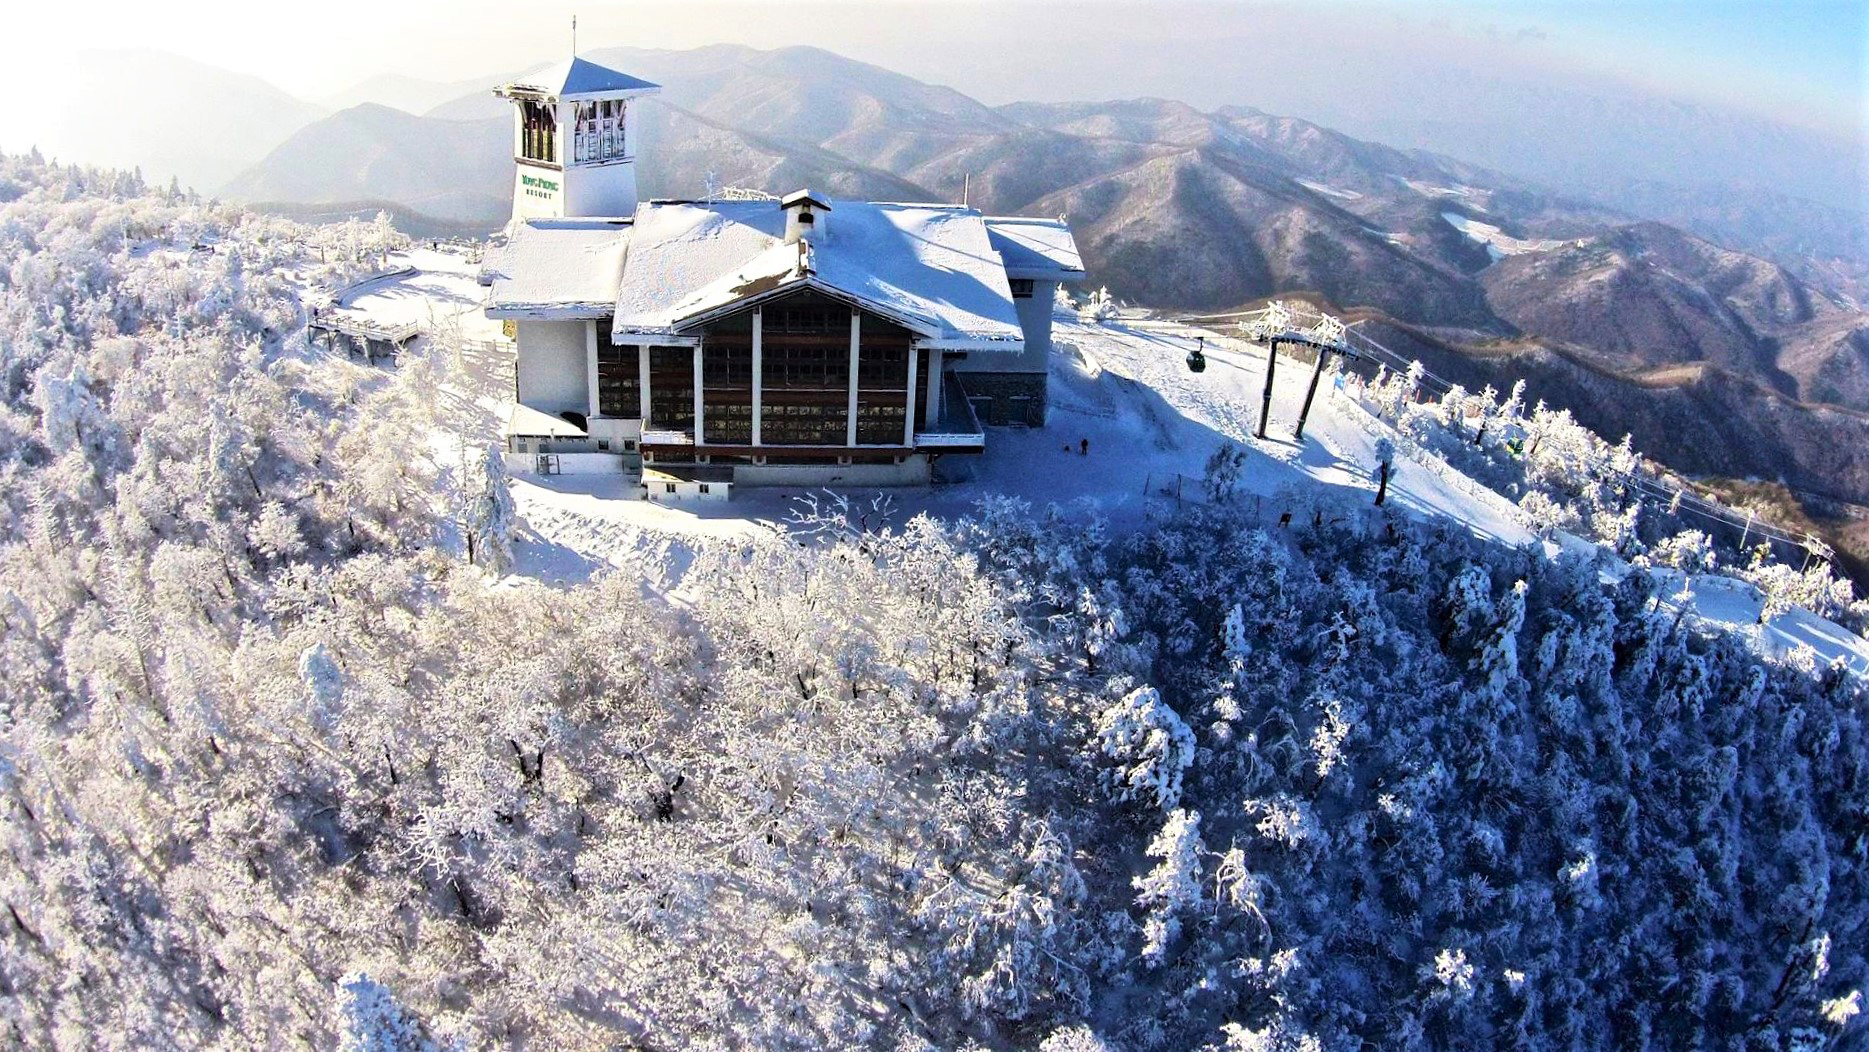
(538, 132)
(1021, 288)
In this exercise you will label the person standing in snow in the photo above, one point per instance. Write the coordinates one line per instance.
(1083, 447)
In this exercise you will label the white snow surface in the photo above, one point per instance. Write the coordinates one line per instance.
(1471, 196)
(557, 268)
(427, 287)
(1329, 191)
(1036, 248)
(932, 267)
(1499, 244)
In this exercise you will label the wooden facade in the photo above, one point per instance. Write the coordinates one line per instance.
(804, 378)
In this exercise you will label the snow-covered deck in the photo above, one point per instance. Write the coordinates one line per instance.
(958, 430)
(363, 326)
(531, 423)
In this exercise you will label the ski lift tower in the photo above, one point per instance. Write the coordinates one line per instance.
(1817, 551)
(1327, 337)
(1272, 325)
(1278, 324)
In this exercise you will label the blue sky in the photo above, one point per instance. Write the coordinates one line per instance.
(1803, 52)
(1795, 53)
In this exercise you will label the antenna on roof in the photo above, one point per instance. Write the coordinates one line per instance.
(574, 36)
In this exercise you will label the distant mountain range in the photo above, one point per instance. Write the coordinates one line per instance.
(1747, 357)
(170, 116)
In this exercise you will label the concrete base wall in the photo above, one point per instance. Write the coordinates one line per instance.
(552, 366)
(572, 463)
(913, 471)
(601, 190)
(1000, 399)
(686, 492)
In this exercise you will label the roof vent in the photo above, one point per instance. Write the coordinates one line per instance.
(805, 217)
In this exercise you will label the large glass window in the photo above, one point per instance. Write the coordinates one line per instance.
(805, 352)
(671, 388)
(805, 378)
(727, 381)
(882, 382)
(879, 422)
(599, 131)
(798, 422)
(619, 381)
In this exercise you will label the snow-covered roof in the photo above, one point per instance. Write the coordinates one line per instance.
(557, 268)
(803, 197)
(532, 423)
(576, 78)
(931, 268)
(1036, 248)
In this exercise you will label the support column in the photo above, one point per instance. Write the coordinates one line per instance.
(590, 367)
(759, 370)
(908, 421)
(642, 380)
(1271, 364)
(934, 389)
(1310, 393)
(698, 391)
(850, 402)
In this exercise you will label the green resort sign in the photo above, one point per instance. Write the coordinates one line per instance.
(537, 187)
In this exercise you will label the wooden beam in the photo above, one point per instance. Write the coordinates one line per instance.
(908, 419)
(698, 392)
(850, 407)
(759, 369)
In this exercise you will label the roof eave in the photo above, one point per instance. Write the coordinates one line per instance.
(542, 94)
(651, 335)
(1009, 345)
(622, 93)
(1060, 274)
(551, 311)
(919, 326)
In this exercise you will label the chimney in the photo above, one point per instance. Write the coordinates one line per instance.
(805, 217)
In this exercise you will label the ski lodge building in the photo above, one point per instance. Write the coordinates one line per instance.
(704, 344)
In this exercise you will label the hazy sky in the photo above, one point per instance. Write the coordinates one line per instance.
(1792, 58)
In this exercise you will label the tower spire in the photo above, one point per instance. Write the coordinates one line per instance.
(574, 36)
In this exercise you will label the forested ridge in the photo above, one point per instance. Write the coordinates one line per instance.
(278, 768)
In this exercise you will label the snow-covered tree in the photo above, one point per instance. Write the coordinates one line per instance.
(1173, 887)
(370, 1019)
(488, 513)
(1225, 466)
(1148, 747)
(1385, 468)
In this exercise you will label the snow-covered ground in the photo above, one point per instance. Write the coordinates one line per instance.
(1499, 244)
(1150, 421)
(1329, 191)
(1735, 604)
(1471, 196)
